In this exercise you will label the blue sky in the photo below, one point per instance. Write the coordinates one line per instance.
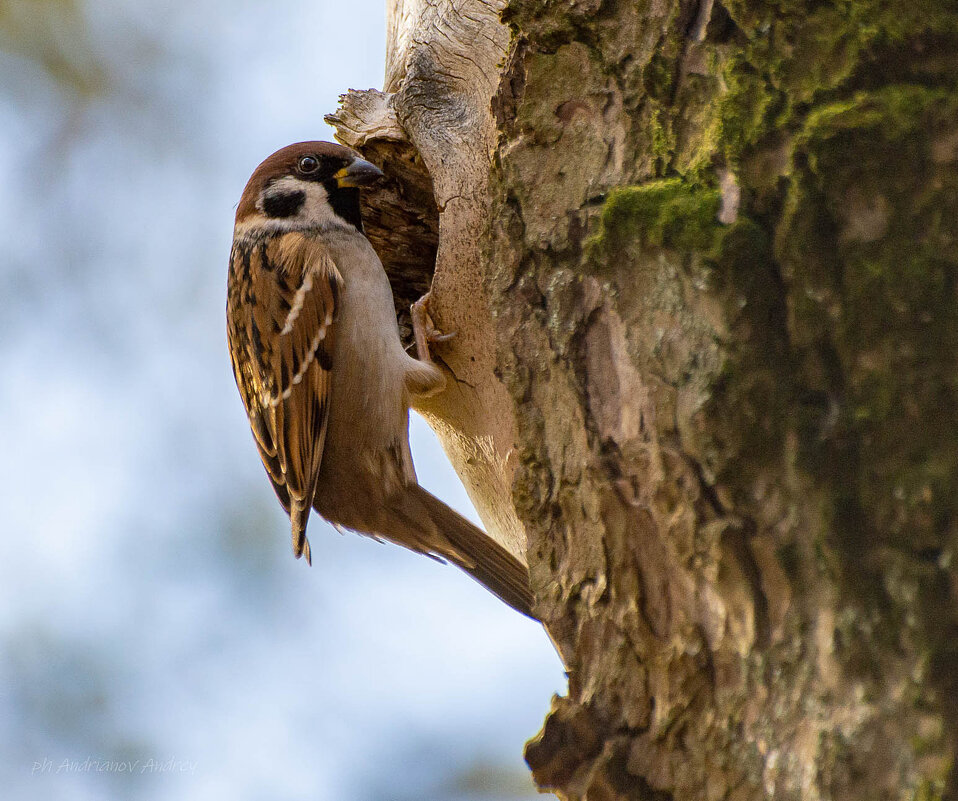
(150, 609)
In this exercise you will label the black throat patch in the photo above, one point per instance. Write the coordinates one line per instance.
(345, 202)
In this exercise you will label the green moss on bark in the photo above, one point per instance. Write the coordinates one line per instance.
(660, 214)
(870, 237)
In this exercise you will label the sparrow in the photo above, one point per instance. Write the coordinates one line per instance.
(322, 371)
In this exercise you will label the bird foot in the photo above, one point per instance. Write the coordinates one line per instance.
(424, 329)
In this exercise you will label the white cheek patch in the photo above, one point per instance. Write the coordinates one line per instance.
(317, 210)
(311, 202)
(284, 198)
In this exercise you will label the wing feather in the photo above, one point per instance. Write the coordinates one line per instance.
(281, 312)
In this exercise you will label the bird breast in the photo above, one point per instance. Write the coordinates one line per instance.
(367, 409)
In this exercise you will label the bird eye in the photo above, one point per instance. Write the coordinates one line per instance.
(308, 164)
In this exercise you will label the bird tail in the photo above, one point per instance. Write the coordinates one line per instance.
(298, 518)
(480, 556)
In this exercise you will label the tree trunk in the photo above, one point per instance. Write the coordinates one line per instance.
(701, 260)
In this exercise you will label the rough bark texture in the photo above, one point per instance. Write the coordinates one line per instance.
(705, 257)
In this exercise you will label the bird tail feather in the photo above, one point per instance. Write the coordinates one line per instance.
(299, 517)
(480, 556)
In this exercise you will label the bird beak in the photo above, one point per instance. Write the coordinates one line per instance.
(359, 173)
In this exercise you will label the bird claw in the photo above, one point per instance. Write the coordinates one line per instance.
(437, 336)
(424, 329)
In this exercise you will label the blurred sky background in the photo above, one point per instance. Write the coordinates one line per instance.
(150, 607)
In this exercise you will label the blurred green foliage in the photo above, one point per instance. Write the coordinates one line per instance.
(53, 34)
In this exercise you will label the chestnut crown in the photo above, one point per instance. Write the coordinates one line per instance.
(304, 173)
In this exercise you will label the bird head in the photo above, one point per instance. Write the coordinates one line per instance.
(308, 184)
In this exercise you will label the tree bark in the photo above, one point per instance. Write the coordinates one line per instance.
(701, 260)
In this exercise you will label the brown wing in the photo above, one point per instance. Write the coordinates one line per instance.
(281, 312)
